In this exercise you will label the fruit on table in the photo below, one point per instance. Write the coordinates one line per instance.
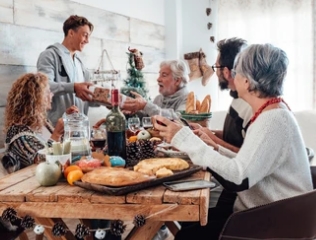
(143, 134)
(48, 174)
(73, 176)
(132, 138)
(70, 168)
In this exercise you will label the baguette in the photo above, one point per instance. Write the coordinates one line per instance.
(210, 102)
(191, 101)
(205, 105)
(198, 106)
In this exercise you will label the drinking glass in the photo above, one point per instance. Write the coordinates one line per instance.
(147, 123)
(133, 124)
(98, 139)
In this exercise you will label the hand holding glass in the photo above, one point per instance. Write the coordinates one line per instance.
(133, 124)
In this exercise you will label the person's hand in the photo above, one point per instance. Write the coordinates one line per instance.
(205, 138)
(99, 123)
(82, 91)
(195, 126)
(58, 130)
(211, 134)
(134, 104)
(72, 109)
(169, 130)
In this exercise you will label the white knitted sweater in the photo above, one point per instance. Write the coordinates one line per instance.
(272, 163)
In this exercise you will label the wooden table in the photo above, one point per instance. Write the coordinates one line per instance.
(21, 191)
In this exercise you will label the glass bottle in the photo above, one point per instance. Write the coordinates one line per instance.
(115, 128)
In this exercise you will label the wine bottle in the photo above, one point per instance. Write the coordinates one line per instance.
(115, 128)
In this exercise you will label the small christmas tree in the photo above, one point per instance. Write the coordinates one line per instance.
(135, 81)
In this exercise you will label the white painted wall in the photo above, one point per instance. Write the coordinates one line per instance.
(186, 31)
(146, 10)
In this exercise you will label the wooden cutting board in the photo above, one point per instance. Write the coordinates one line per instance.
(138, 186)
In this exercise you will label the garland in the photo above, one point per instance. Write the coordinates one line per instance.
(9, 216)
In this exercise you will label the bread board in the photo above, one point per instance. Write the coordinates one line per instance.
(116, 191)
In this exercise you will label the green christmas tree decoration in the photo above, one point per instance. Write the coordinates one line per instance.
(135, 81)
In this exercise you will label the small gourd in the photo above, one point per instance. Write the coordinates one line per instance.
(48, 174)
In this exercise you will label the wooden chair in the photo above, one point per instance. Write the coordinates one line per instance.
(291, 218)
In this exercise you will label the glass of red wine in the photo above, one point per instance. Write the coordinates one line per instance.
(98, 139)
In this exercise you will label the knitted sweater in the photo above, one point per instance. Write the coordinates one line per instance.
(272, 163)
(167, 106)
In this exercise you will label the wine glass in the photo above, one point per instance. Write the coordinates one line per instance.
(147, 123)
(98, 139)
(133, 124)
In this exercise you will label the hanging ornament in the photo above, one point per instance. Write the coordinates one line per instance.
(138, 58)
(209, 25)
(117, 227)
(212, 38)
(9, 214)
(39, 229)
(58, 229)
(208, 11)
(139, 220)
(27, 222)
(100, 234)
(81, 231)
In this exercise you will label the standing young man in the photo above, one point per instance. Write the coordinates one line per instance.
(68, 78)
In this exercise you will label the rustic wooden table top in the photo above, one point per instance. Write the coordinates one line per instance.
(22, 191)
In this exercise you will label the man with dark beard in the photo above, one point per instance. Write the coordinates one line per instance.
(232, 137)
(239, 113)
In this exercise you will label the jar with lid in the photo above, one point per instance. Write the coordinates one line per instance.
(77, 131)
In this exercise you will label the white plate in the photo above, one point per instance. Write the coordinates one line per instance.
(164, 144)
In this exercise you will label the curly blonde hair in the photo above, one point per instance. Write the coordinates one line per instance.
(26, 102)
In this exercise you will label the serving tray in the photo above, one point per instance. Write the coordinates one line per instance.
(116, 191)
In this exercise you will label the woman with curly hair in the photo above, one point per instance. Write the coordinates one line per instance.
(26, 126)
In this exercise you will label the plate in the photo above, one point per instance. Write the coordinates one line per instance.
(116, 191)
(161, 152)
(183, 113)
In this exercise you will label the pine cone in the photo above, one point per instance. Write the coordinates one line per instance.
(139, 220)
(9, 214)
(117, 227)
(81, 231)
(146, 149)
(58, 229)
(27, 222)
(133, 154)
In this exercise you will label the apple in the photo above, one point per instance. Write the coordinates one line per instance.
(48, 174)
(143, 134)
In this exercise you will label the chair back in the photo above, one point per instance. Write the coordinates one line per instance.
(291, 218)
(313, 173)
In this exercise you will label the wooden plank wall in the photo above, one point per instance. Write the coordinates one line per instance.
(28, 27)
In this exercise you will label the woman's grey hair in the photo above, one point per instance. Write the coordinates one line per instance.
(265, 66)
(179, 70)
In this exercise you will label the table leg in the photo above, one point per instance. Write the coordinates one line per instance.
(23, 236)
(174, 227)
(145, 232)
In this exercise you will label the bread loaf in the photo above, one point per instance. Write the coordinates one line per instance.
(205, 105)
(198, 106)
(191, 101)
(210, 102)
